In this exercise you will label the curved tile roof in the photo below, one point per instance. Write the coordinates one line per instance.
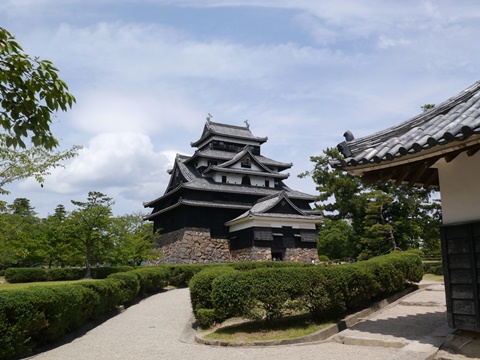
(226, 155)
(456, 119)
(231, 131)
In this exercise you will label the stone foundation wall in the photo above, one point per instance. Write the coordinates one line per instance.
(192, 246)
(195, 246)
(252, 254)
(303, 255)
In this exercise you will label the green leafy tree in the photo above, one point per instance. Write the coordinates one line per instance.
(59, 247)
(134, 240)
(90, 224)
(19, 235)
(35, 162)
(383, 216)
(335, 240)
(30, 95)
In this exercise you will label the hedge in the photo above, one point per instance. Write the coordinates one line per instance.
(40, 314)
(24, 275)
(324, 292)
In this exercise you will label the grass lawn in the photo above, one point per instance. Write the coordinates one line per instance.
(431, 277)
(285, 328)
(6, 286)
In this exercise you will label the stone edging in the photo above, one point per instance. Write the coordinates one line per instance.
(319, 335)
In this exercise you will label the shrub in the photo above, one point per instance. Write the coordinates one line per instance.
(201, 287)
(326, 292)
(436, 270)
(65, 274)
(40, 314)
(2, 272)
(231, 295)
(206, 317)
(37, 315)
(180, 275)
(25, 275)
(103, 272)
(152, 279)
(128, 286)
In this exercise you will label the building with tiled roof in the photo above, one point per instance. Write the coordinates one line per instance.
(226, 177)
(439, 147)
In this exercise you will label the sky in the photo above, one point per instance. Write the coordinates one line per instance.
(146, 74)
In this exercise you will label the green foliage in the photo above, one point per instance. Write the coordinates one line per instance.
(383, 217)
(436, 270)
(325, 292)
(24, 275)
(64, 274)
(200, 287)
(30, 94)
(334, 240)
(151, 279)
(134, 240)
(181, 274)
(41, 314)
(206, 317)
(90, 224)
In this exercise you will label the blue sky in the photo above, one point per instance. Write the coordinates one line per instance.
(147, 72)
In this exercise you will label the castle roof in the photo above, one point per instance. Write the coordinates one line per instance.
(266, 207)
(444, 131)
(193, 180)
(229, 131)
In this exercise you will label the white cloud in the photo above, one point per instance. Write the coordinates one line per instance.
(113, 163)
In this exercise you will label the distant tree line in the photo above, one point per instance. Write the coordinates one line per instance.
(363, 221)
(87, 236)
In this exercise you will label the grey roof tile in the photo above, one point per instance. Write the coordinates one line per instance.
(236, 132)
(453, 120)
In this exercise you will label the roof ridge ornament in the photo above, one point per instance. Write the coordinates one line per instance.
(209, 118)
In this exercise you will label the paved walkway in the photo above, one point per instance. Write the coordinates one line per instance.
(158, 328)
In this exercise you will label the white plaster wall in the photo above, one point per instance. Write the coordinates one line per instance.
(237, 179)
(460, 188)
(272, 223)
(253, 166)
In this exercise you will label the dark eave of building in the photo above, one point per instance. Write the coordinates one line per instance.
(406, 152)
(184, 202)
(263, 207)
(215, 168)
(228, 131)
(226, 155)
(225, 166)
(196, 182)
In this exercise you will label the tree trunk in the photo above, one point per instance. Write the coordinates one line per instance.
(88, 272)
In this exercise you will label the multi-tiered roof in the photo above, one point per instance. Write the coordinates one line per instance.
(224, 178)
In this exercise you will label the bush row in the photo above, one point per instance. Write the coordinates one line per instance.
(25, 275)
(324, 292)
(39, 314)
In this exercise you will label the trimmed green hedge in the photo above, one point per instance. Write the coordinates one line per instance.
(24, 275)
(40, 314)
(324, 292)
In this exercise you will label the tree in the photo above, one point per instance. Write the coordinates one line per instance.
(383, 216)
(90, 223)
(35, 162)
(334, 240)
(59, 247)
(134, 240)
(30, 94)
(339, 192)
(19, 235)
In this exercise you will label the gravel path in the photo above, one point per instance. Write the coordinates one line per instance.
(155, 329)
